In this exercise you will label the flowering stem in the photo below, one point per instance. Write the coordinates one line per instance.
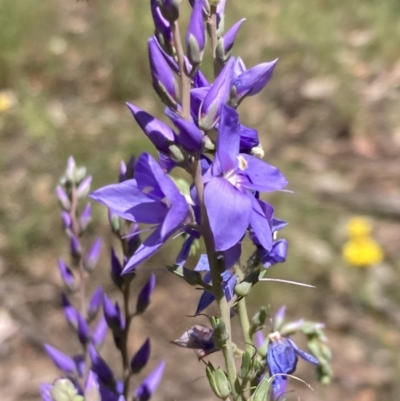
(185, 80)
(217, 266)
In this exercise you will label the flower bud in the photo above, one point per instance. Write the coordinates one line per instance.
(243, 289)
(163, 30)
(140, 359)
(84, 187)
(83, 329)
(61, 360)
(230, 37)
(149, 385)
(196, 35)
(64, 389)
(75, 247)
(220, 333)
(92, 391)
(93, 255)
(85, 217)
(71, 168)
(218, 381)
(100, 367)
(169, 9)
(63, 198)
(260, 317)
(279, 318)
(99, 333)
(145, 294)
(95, 303)
(262, 390)
(67, 276)
(66, 220)
(116, 270)
(113, 315)
(114, 221)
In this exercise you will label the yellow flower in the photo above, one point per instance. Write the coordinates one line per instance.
(6, 101)
(361, 250)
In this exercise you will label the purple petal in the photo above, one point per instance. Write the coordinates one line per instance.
(260, 224)
(86, 216)
(259, 340)
(149, 385)
(63, 198)
(228, 138)
(112, 315)
(279, 317)
(202, 264)
(229, 286)
(93, 255)
(92, 389)
(229, 212)
(175, 217)
(277, 254)
(128, 202)
(99, 333)
(83, 329)
(206, 299)
(248, 139)
(304, 355)
(232, 255)
(199, 80)
(196, 34)
(67, 275)
(116, 269)
(238, 67)
(45, 392)
(263, 176)
(100, 367)
(95, 303)
(61, 360)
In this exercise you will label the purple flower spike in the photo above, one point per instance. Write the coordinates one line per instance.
(113, 315)
(145, 294)
(85, 217)
(62, 197)
(164, 207)
(251, 82)
(84, 187)
(230, 36)
(149, 385)
(99, 333)
(93, 256)
(164, 80)
(100, 367)
(282, 359)
(92, 388)
(61, 360)
(140, 359)
(160, 134)
(196, 34)
(67, 275)
(95, 303)
(216, 96)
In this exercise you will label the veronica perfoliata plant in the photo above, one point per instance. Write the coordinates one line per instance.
(87, 376)
(222, 208)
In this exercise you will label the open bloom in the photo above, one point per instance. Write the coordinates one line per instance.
(230, 184)
(282, 359)
(151, 198)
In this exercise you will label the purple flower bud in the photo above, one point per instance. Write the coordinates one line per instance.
(248, 139)
(145, 294)
(140, 359)
(92, 388)
(251, 82)
(92, 257)
(133, 239)
(164, 80)
(199, 338)
(277, 254)
(116, 270)
(75, 247)
(220, 17)
(71, 314)
(100, 367)
(216, 96)
(84, 187)
(113, 315)
(67, 275)
(85, 217)
(99, 333)
(149, 385)
(230, 37)
(83, 329)
(190, 136)
(162, 27)
(259, 340)
(61, 360)
(62, 197)
(199, 80)
(158, 132)
(66, 219)
(196, 34)
(45, 392)
(169, 9)
(122, 171)
(71, 168)
(95, 303)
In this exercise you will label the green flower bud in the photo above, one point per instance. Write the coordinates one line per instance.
(261, 392)
(218, 381)
(190, 276)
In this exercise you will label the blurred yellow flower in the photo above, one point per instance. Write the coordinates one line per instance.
(361, 250)
(6, 101)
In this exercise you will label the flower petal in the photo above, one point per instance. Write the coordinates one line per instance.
(228, 211)
(260, 224)
(304, 355)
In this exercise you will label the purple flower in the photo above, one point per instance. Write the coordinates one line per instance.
(230, 183)
(149, 385)
(164, 81)
(200, 339)
(162, 27)
(196, 34)
(113, 315)
(217, 95)
(250, 82)
(151, 198)
(145, 294)
(141, 357)
(282, 359)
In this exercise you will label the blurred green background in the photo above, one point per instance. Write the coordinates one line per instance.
(329, 119)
